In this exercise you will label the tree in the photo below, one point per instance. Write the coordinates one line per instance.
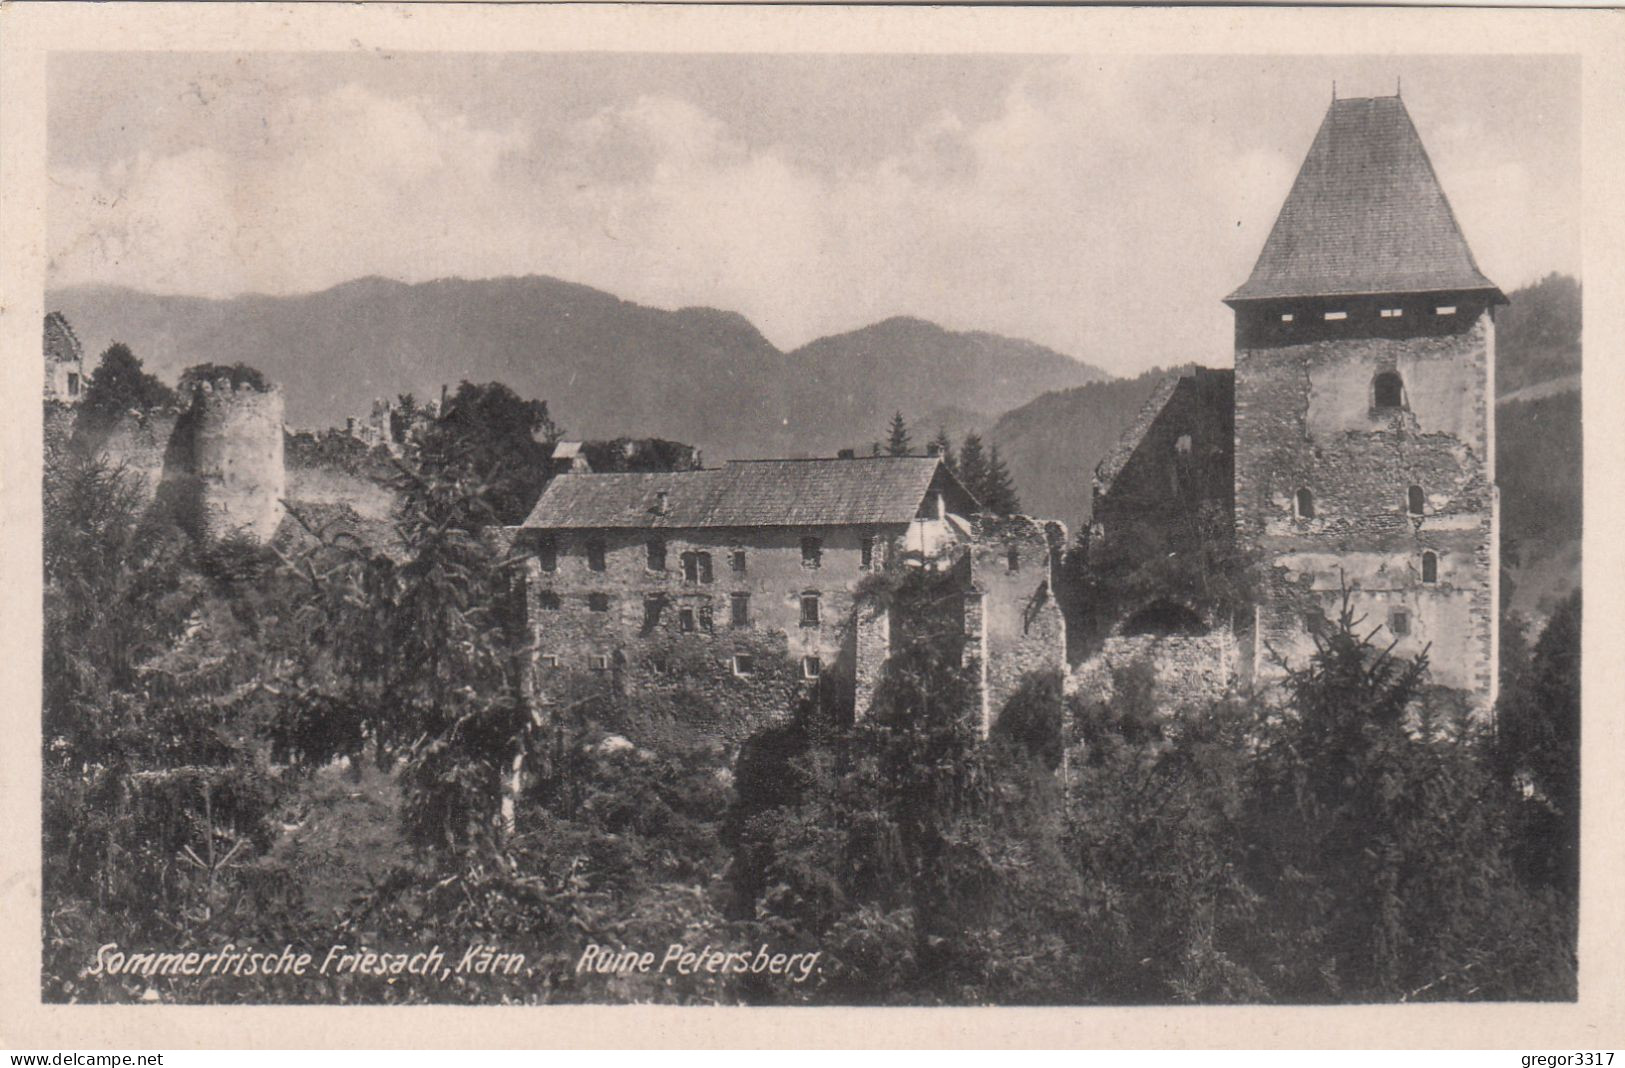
(897, 443)
(118, 385)
(490, 437)
(944, 447)
(972, 467)
(238, 374)
(999, 490)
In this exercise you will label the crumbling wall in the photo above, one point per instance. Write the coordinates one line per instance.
(1187, 668)
(1307, 419)
(148, 445)
(1012, 565)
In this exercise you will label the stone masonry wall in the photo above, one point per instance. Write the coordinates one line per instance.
(237, 459)
(1188, 668)
(1012, 562)
(1306, 419)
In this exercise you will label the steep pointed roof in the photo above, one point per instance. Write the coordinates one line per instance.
(1366, 215)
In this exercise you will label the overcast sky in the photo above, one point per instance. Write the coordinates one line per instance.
(1102, 207)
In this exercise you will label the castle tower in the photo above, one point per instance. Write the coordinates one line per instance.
(237, 459)
(1365, 409)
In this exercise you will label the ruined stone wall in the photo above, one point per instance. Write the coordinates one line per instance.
(1012, 564)
(636, 633)
(1307, 418)
(65, 380)
(237, 459)
(148, 445)
(1188, 668)
(337, 470)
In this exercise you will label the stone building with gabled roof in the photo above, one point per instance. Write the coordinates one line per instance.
(1364, 412)
(65, 380)
(712, 580)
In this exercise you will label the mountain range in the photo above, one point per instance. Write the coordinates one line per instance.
(607, 367)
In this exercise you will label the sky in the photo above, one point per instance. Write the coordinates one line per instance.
(1102, 206)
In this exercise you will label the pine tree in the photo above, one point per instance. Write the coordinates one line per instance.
(897, 444)
(944, 447)
(999, 495)
(972, 468)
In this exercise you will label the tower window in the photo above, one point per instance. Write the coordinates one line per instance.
(685, 620)
(1012, 560)
(652, 604)
(73, 384)
(739, 561)
(866, 551)
(696, 567)
(1393, 313)
(547, 553)
(812, 552)
(547, 601)
(657, 554)
(1286, 317)
(1335, 316)
(1399, 622)
(1414, 501)
(809, 609)
(597, 662)
(1387, 391)
(740, 605)
(595, 554)
(1182, 445)
(1430, 567)
(744, 664)
(598, 602)
(548, 661)
(811, 667)
(1304, 504)
(1445, 309)
(707, 623)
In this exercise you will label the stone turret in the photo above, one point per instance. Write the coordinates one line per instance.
(236, 458)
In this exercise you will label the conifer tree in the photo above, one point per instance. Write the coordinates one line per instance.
(944, 447)
(897, 444)
(972, 468)
(999, 493)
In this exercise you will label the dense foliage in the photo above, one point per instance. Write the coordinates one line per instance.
(119, 385)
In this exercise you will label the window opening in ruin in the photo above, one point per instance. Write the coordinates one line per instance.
(598, 662)
(705, 566)
(657, 554)
(1304, 504)
(811, 667)
(809, 609)
(707, 623)
(691, 567)
(1430, 567)
(866, 551)
(1012, 560)
(652, 605)
(73, 384)
(1414, 501)
(1334, 316)
(1393, 313)
(739, 605)
(549, 661)
(1387, 390)
(744, 664)
(547, 554)
(1399, 622)
(1286, 317)
(1182, 445)
(1445, 309)
(595, 554)
(548, 601)
(812, 552)
(738, 562)
(598, 602)
(685, 620)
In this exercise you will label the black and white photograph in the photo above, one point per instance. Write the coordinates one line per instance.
(883, 527)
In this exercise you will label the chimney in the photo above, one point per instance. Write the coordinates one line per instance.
(847, 454)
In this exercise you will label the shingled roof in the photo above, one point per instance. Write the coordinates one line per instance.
(751, 493)
(1365, 216)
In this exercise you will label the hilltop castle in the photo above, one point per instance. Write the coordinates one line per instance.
(1355, 439)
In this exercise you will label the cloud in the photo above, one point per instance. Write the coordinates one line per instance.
(1100, 208)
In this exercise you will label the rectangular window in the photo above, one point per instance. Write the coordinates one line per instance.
(738, 562)
(1393, 313)
(598, 602)
(705, 567)
(1286, 317)
(595, 554)
(811, 667)
(657, 554)
(547, 553)
(812, 552)
(548, 661)
(739, 605)
(1334, 316)
(1012, 561)
(598, 662)
(809, 610)
(1399, 622)
(866, 551)
(707, 623)
(548, 601)
(652, 605)
(744, 664)
(685, 620)
(73, 384)
(1445, 309)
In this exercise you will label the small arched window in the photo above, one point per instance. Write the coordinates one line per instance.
(1304, 505)
(1414, 501)
(1387, 390)
(1430, 567)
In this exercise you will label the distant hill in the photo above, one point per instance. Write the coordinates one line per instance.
(1053, 442)
(1537, 336)
(607, 367)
